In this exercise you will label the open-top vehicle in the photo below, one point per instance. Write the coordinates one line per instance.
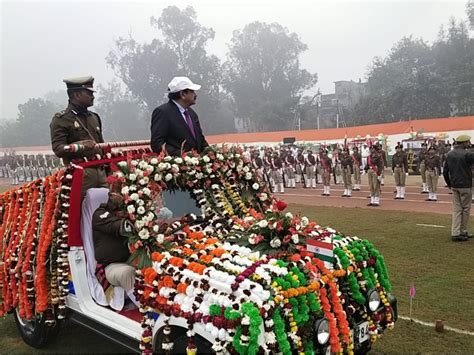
(413, 146)
(221, 267)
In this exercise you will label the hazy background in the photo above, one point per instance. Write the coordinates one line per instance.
(43, 42)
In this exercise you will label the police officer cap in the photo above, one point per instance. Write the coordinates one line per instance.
(463, 138)
(83, 82)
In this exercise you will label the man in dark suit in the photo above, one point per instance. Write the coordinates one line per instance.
(174, 124)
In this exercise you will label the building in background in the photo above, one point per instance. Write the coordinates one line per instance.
(337, 109)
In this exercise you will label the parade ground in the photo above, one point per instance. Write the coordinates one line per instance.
(413, 235)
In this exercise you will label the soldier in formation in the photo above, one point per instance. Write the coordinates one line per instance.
(310, 170)
(326, 167)
(433, 171)
(347, 167)
(422, 167)
(357, 165)
(374, 171)
(400, 171)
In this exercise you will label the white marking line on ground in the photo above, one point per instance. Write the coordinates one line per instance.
(427, 324)
(354, 198)
(430, 225)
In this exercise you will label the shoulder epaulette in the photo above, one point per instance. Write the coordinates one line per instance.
(60, 113)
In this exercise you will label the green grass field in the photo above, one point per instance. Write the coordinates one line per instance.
(420, 255)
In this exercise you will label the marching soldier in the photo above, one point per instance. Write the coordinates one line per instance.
(326, 167)
(257, 163)
(357, 163)
(310, 169)
(422, 167)
(347, 171)
(300, 167)
(290, 170)
(383, 155)
(77, 125)
(433, 170)
(400, 170)
(267, 168)
(337, 171)
(374, 169)
(277, 173)
(21, 168)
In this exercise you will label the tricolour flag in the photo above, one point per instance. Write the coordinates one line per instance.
(322, 250)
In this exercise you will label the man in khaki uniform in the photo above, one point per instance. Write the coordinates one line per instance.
(421, 160)
(458, 176)
(347, 171)
(400, 170)
(357, 163)
(81, 127)
(326, 167)
(433, 170)
(374, 169)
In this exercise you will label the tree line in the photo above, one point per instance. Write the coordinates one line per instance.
(260, 84)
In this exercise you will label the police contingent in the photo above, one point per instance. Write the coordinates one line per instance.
(21, 168)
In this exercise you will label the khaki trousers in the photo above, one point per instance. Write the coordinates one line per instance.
(432, 180)
(121, 274)
(347, 177)
(423, 172)
(399, 175)
(461, 210)
(326, 178)
(357, 180)
(374, 183)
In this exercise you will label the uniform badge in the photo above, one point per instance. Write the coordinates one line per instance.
(104, 215)
(76, 125)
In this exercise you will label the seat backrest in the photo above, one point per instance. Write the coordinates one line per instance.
(93, 199)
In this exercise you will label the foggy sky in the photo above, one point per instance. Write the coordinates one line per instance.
(44, 42)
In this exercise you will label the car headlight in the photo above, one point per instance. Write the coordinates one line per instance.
(373, 300)
(321, 331)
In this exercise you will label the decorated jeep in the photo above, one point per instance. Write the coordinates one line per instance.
(221, 267)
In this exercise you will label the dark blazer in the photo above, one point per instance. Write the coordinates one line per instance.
(168, 126)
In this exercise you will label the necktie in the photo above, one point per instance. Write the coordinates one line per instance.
(189, 121)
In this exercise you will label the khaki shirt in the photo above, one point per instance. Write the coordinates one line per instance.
(66, 128)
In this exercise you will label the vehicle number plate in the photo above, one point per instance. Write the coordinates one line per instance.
(362, 332)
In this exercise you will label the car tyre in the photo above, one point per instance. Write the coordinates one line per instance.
(35, 332)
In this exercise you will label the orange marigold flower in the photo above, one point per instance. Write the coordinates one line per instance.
(149, 275)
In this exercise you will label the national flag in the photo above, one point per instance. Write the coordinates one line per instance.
(321, 249)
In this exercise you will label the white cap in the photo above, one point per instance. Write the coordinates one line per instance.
(179, 83)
